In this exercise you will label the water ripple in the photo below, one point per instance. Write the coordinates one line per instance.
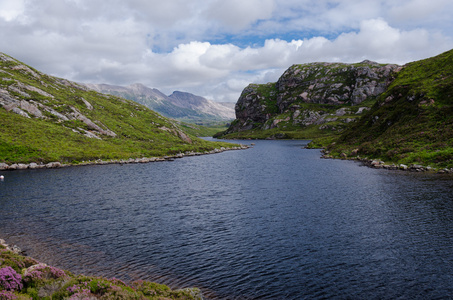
(272, 222)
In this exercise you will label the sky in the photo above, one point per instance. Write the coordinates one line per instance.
(215, 48)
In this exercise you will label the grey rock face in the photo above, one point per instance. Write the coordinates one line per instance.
(332, 83)
(315, 83)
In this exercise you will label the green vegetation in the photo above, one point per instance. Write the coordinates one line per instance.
(23, 277)
(412, 122)
(118, 128)
(204, 128)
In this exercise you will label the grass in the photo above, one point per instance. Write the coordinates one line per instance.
(140, 132)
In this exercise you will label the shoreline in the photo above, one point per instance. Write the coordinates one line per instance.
(24, 277)
(56, 164)
(379, 164)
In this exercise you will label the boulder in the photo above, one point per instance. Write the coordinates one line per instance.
(33, 166)
(52, 165)
(403, 167)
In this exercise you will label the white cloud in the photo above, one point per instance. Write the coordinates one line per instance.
(11, 10)
(238, 14)
(215, 47)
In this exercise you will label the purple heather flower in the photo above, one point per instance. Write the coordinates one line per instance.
(43, 271)
(6, 295)
(10, 280)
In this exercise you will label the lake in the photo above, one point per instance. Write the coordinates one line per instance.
(271, 222)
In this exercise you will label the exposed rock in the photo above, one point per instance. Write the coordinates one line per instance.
(361, 110)
(177, 132)
(403, 167)
(317, 83)
(79, 116)
(20, 112)
(342, 111)
(31, 108)
(33, 89)
(33, 166)
(349, 83)
(53, 165)
(87, 104)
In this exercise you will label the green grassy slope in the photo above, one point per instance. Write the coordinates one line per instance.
(412, 122)
(68, 113)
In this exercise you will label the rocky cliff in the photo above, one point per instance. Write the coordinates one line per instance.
(321, 94)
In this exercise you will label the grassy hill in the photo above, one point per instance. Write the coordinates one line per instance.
(412, 121)
(44, 118)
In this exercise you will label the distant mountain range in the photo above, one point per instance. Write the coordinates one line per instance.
(179, 105)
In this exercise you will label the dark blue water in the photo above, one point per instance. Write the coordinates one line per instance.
(271, 222)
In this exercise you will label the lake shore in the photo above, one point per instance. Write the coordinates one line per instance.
(379, 164)
(55, 165)
(24, 277)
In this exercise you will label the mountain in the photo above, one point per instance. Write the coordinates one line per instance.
(411, 122)
(197, 103)
(45, 118)
(195, 109)
(310, 100)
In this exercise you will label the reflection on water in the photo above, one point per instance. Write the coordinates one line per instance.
(271, 222)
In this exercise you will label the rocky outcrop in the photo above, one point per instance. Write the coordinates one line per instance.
(333, 83)
(293, 98)
(33, 102)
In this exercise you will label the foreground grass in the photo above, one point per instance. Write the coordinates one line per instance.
(22, 277)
